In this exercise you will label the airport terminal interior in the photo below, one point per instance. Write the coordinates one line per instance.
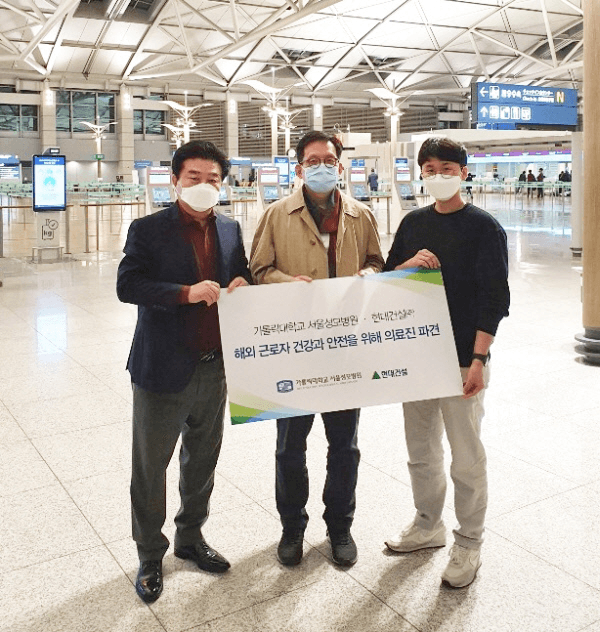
(384, 76)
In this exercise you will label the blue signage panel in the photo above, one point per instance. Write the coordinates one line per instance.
(49, 183)
(501, 104)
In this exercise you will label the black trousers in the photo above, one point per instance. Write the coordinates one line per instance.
(196, 413)
(343, 457)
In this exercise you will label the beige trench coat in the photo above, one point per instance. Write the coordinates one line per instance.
(287, 242)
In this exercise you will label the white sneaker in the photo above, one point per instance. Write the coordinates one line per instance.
(414, 538)
(462, 567)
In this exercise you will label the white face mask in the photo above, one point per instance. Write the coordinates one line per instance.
(200, 197)
(442, 188)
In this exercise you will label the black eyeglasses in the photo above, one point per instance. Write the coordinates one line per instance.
(316, 162)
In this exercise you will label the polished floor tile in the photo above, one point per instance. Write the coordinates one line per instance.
(65, 449)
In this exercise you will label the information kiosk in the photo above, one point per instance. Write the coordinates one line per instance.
(49, 203)
(225, 196)
(159, 189)
(357, 184)
(403, 185)
(269, 189)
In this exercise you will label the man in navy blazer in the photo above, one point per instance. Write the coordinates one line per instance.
(176, 262)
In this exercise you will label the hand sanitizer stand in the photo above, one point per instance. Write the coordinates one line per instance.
(48, 249)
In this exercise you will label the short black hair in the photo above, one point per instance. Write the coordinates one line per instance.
(317, 136)
(442, 149)
(203, 149)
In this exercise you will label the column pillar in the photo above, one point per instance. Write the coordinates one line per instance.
(317, 117)
(394, 121)
(576, 193)
(274, 130)
(591, 195)
(48, 117)
(232, 145)
(125, 134)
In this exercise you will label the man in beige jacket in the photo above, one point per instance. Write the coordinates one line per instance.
(316, 233)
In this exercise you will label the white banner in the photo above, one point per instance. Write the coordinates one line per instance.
(298, 348)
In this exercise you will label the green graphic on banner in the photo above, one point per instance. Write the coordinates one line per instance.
(376, 376)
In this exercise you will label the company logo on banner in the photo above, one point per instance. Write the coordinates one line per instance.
(285, 386)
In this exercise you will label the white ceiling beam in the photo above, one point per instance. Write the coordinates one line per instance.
(549, 33)
(236, 27)
(213, 25)
(63, 9)
(482, 65)
(29, 16)
(9, 45)
(386, 18)
(186, 46)
(147, 35)
(572, 6)
(515, 51)
(312, 7)
(470, 29)
(58, 42)
(435, 43)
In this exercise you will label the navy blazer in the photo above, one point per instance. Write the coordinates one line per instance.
(158, 262)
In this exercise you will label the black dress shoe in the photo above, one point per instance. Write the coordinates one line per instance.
(149, 583)
(205, 557)
(289, 550)
(343, 547)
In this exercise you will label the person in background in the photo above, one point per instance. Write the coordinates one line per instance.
(470, 248)
(373, 180)
(540, 179)
(522, 178)
(530, 181)
(316, 233)
(176, 262)
(469, 178)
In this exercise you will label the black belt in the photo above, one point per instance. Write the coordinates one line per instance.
(210, 356)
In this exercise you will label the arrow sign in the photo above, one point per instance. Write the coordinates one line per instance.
(484, 111)
(483, 92)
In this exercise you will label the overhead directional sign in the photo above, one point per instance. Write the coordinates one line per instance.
(507, 105)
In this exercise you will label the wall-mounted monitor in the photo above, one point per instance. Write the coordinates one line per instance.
(49, 183)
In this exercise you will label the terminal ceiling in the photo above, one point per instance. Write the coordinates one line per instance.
(425, 51)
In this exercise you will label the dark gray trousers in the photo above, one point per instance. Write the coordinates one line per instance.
(196, 413)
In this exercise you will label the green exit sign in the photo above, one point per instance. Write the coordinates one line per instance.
(99, 156)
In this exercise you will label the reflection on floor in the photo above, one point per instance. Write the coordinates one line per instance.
(66, 555)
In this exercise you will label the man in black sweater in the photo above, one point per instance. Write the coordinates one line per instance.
(470, 248)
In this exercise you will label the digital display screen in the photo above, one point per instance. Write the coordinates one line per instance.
(159, 178)
(406, 192)
(271, 193)
(49, 183)
(161, 196)
(359, 191)
(357, 175)
(269, 177)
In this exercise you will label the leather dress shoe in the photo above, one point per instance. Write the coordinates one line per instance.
(149, 583)
(289, 550)
(343, 547)
(204, 556)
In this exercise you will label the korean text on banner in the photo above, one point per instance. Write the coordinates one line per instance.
(299, 348)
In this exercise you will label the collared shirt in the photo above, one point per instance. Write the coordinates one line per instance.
(327, 220)
(202, 331)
